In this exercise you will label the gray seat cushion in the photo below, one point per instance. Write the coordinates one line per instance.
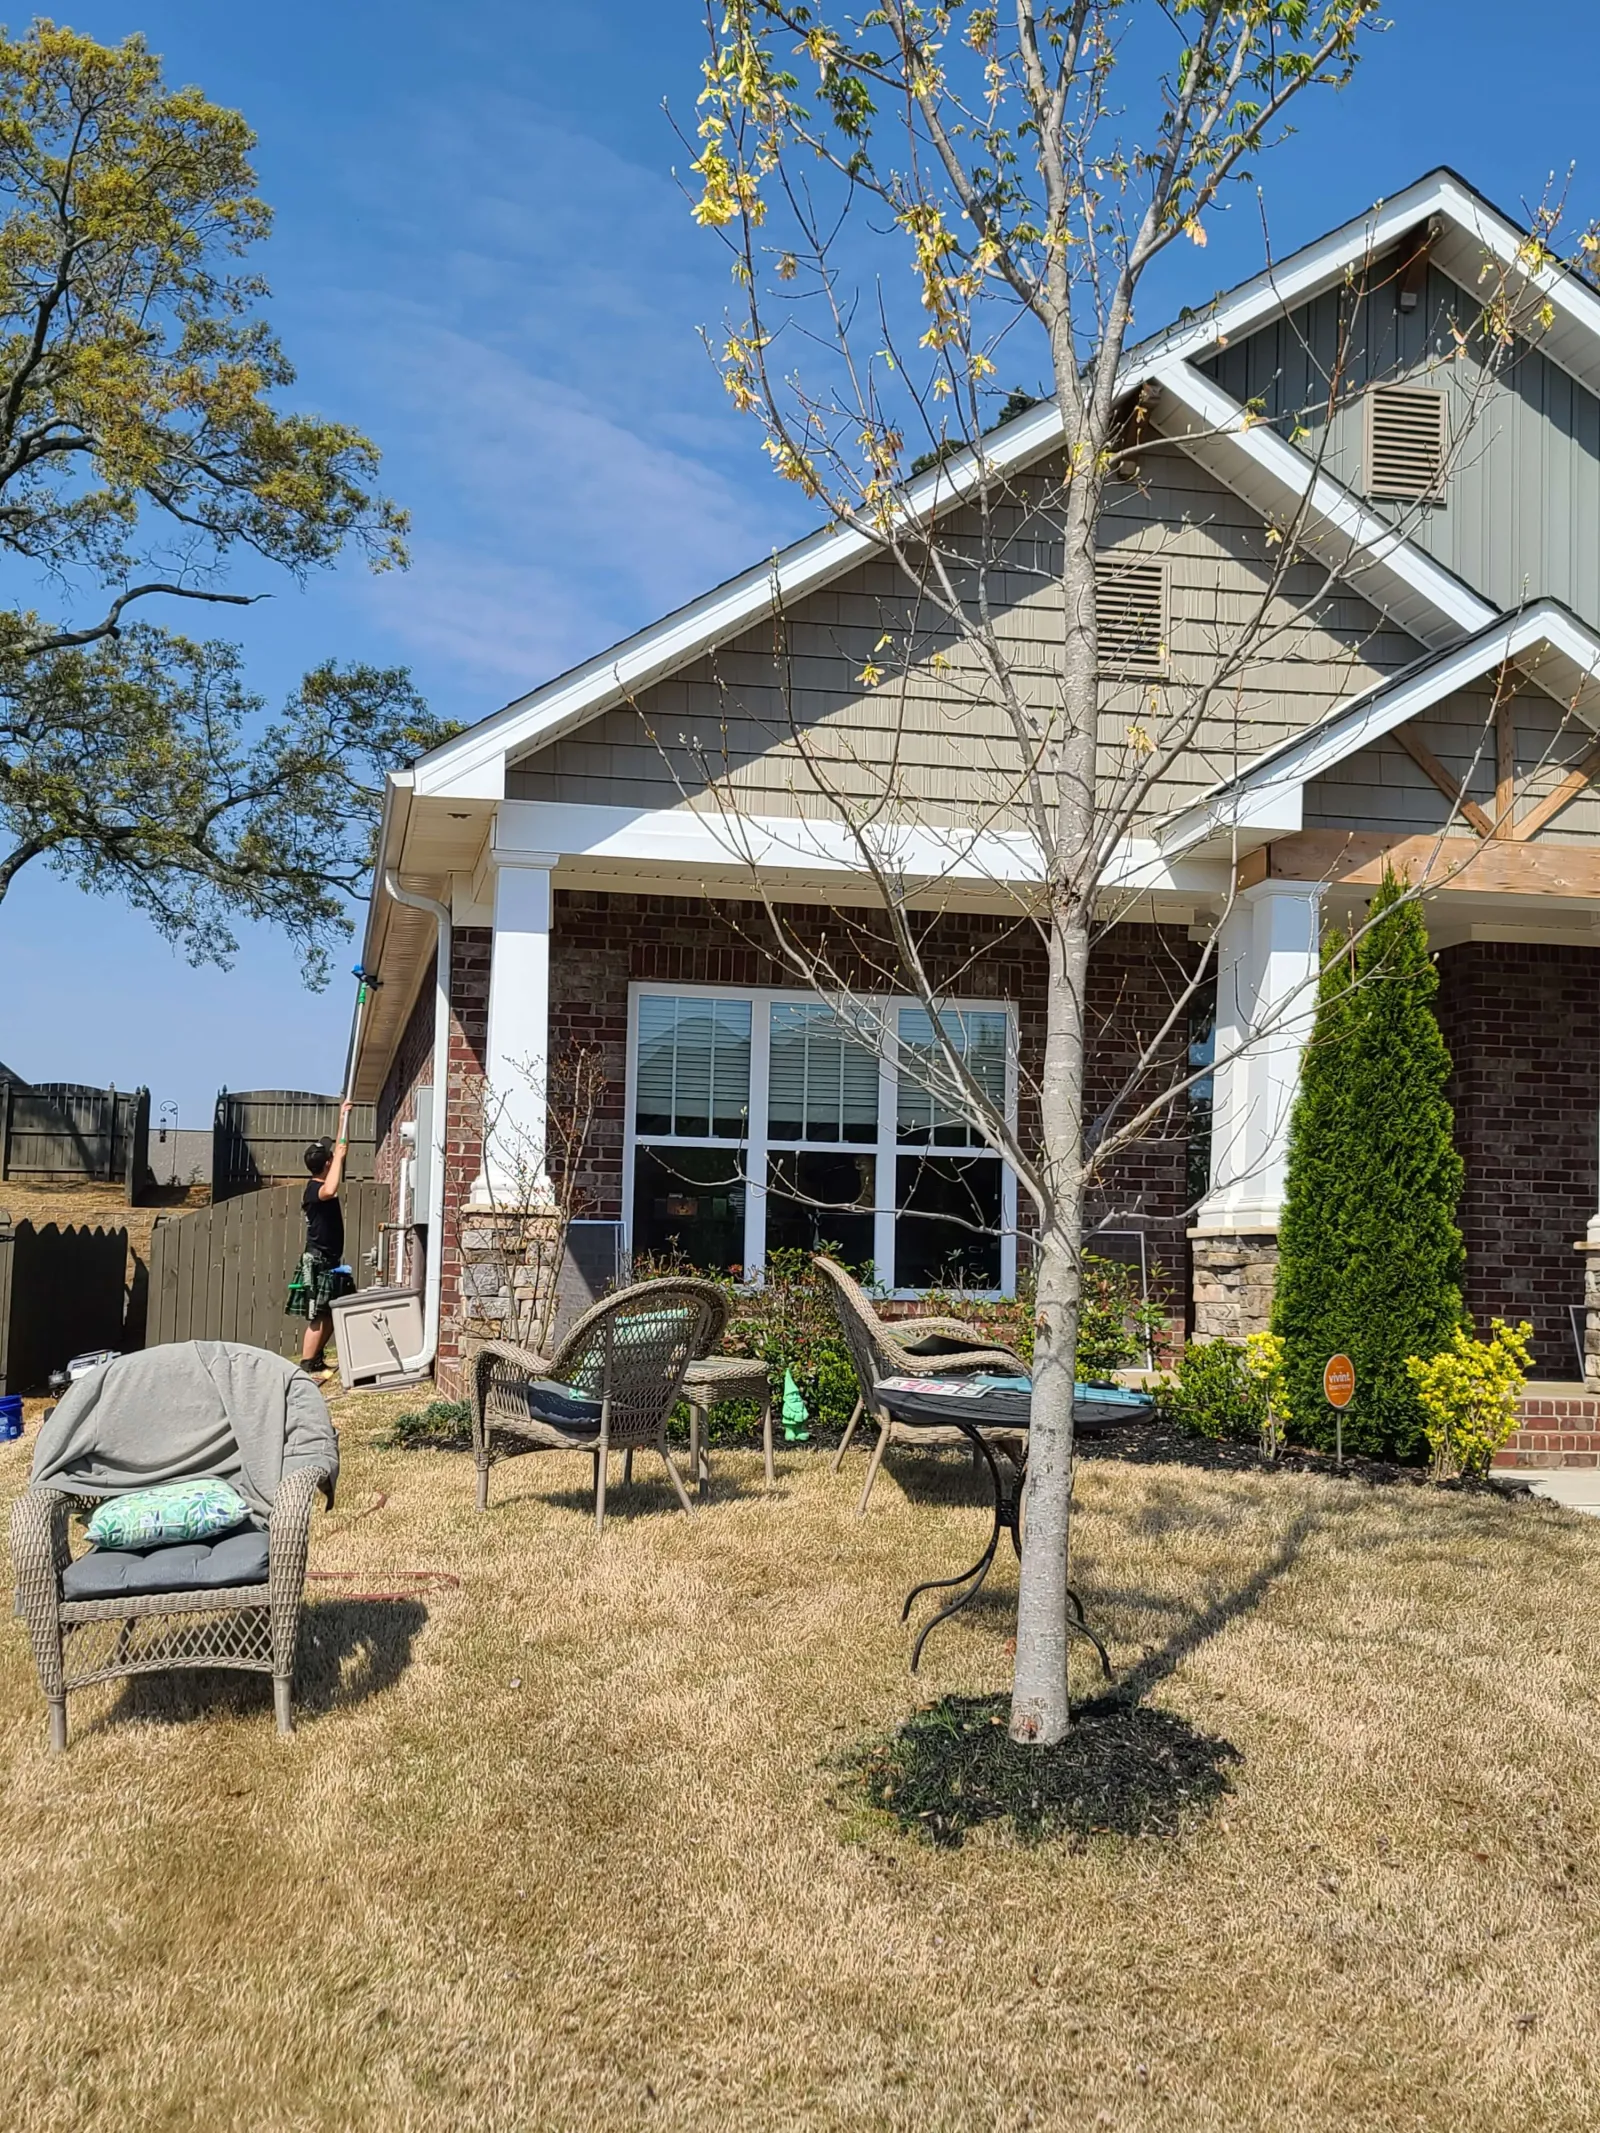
(184, 1566)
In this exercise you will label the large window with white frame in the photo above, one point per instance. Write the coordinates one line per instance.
(765, 1121)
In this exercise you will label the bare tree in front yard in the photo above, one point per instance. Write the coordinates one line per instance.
(513, 1246)
(996, 154)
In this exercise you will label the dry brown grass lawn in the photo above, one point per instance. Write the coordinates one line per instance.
(563, 1848)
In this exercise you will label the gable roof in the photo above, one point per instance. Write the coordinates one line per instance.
(1266, 797)
(1468, 227)
(1427, 600)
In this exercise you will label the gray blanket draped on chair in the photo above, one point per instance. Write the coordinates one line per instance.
(187, 1409)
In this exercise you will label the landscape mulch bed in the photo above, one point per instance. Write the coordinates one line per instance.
(1161, 1443)
(1125, 1769)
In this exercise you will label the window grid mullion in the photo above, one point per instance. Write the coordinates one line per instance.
(755, 1143)
(883, 1198)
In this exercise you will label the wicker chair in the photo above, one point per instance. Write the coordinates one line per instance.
(626, 1356)
(918, 1347)
(253, 1628)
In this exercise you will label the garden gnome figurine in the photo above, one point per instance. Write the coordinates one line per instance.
(795, 1412)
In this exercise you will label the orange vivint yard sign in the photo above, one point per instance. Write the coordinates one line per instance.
(1338, 1381)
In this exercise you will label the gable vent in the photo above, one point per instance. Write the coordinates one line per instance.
(1130, 609)
(1405, 444)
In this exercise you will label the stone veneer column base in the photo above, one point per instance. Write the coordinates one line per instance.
(1235, 1272)
(1591, 1315)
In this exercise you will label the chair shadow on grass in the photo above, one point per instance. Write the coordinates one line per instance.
(570, 1487)
(349, 1652)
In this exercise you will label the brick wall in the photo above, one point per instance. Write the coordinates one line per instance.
(600, 944)
(410, 1069)
(1522, 1022)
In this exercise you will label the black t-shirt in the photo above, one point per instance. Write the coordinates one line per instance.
(324, 1223)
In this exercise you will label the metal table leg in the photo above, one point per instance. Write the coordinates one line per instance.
(1007, 1519)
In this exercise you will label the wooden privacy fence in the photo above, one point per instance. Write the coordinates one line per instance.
(62, 1293)
(260, 1136)
(222, 1272)
(61, 1129)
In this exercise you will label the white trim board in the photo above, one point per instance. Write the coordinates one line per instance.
(779, 847)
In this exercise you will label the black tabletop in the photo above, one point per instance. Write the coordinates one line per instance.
(939, 1410)
(999, 1409)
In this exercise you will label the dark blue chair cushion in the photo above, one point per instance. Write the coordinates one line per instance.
(564, 1405)
(183, 1566)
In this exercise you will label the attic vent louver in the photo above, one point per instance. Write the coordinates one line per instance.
(1405, 444)
(1130, 606)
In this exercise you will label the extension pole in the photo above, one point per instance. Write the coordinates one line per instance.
(366, 986)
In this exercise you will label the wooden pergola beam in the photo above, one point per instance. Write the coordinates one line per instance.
(1553, 802)
(1505, 760)
(1496, 866)
(1431, 767)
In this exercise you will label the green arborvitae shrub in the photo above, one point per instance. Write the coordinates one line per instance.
(1370, 1256)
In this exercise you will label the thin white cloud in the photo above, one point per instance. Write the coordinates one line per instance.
(544, 402)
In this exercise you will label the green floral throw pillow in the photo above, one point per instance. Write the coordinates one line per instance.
(177, 1511)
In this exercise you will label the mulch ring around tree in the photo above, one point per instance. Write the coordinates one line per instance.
(1125, 1768)
(1160, 1443)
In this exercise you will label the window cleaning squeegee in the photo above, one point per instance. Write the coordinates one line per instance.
(367, 983)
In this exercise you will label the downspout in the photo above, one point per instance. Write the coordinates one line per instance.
(423, 1360)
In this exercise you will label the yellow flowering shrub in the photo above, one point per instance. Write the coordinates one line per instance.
(1469, 1395)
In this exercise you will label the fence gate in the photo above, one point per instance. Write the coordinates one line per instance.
(62, 1129)
(260, 1136)
(62, 1293)
(222, 1272)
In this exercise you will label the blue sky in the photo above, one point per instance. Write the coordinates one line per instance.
(481, 258)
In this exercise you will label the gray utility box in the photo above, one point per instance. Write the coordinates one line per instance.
(374, 1331)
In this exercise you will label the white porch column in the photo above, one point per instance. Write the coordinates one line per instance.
(1267, 967)
(518, 1047)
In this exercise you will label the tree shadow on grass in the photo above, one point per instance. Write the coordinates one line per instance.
(349, 1652)
(1126, 1767)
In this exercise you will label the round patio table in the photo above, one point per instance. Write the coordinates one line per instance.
(978, 1416)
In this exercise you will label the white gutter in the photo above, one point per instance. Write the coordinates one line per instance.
(423, 1360)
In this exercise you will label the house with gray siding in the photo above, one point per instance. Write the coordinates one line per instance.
(592, 866)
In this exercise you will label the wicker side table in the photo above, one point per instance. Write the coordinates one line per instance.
(706, 1384)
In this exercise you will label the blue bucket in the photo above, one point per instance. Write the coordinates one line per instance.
(10, 1416)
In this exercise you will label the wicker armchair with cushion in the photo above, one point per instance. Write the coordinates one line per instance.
(916, 1347)
(610, 1387)
(173, 1413)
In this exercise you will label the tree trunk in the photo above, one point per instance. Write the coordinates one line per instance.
(1039, 1706)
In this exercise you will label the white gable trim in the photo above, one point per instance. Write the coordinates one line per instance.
(1267, 798)
(1425, 599)
(1249, 458)
(1470, 228)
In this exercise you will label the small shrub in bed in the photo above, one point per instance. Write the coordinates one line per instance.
(441, 1425)
(1469, 1397)
(1215, 1393)
(1117, 1328)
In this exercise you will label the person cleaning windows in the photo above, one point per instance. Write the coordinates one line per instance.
(322, 1277)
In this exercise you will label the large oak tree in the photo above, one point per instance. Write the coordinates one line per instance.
(148, 465)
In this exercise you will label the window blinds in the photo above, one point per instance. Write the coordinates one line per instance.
(694, 1067)
(979, 1038)
(821, 1084)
